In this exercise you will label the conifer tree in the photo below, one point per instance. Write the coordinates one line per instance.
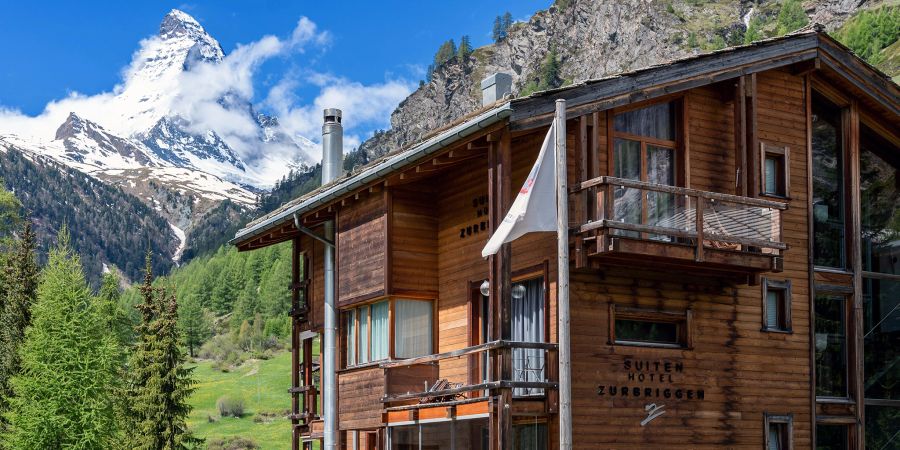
(21, 275)
(63, 395)
(159, 384)
(118, 320)
(497, 32)
(445, 53)
(506, 23)
(791, 17)
(465, 48)
(550, 71)
(193, 324)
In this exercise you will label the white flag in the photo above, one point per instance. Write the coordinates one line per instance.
(535, 207)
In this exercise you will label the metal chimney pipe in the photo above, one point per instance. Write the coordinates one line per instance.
(332, 146)
(332, 168)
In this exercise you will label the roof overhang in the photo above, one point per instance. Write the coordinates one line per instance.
(375, 172)
(681, 75)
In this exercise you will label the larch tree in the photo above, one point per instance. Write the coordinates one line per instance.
(21, 278)
(159, 383)
(63, 396)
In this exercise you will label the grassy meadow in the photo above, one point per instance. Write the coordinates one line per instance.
(262, 384)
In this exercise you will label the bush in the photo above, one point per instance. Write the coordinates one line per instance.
(230, 405)
(232, 443)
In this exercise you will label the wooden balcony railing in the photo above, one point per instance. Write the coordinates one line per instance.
(606, 208)
(404, 385)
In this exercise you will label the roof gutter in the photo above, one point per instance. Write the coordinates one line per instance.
(382, 169)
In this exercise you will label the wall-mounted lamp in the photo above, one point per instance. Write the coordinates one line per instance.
(518, 291)
(485, 288)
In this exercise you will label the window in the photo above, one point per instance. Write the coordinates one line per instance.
(880, 232)
(632, 326)
(775, 174)
(776, 305)
(831, 437)
(412, 328)
(530, 436)
(778, 432)
(367, 330)
(831, 345)
(828, 183)
(644, 149)
(879, 203)
(528, 306)
(366, 333)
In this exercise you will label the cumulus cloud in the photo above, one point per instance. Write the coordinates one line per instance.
(215, 96)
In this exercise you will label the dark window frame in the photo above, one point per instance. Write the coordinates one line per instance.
(782, 155)
(784, 287)
(787, 420)
(682, 319)
(850, 378)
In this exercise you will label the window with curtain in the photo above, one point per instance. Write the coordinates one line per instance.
(412, 328)
(776, 305)
(527, 304)
(778, 432)
(366, 333)
(644, 150)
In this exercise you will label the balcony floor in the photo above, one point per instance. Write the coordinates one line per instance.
(672, 255)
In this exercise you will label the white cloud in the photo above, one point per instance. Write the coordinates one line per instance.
(197, 95)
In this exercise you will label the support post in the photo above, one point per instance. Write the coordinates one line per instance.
(562, 282)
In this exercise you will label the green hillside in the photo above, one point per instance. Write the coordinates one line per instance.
(262, 384)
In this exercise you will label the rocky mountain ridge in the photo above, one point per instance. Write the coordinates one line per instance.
(592, 39)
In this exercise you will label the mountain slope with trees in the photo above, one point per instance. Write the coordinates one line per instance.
(109, 227)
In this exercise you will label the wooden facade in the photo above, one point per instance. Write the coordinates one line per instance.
(693, 276)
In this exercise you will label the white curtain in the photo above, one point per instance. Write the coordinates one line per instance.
(528, 326)
(363, 335)
(351, 337)
(412, 328)
(379, 331)
(772, 309)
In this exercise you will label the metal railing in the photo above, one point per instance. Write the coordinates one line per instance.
(649, 211)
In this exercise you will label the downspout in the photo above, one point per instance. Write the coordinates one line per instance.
(332, 162)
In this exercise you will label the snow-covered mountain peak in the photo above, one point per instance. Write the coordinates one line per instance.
(177, 23)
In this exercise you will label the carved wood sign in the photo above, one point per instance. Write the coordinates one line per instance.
(480, 208)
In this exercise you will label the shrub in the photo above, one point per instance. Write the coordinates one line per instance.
(232, 443)
(230, 405)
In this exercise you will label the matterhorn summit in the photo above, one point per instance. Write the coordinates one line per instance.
(156, 134)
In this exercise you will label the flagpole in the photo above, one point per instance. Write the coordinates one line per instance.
(562, 282)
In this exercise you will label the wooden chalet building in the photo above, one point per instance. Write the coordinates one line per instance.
(735, 267)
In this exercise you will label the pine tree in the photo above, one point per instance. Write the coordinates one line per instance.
(497, 33)
(550, 71)
(465, 48)
(506, 23)
(15, 315)
(159, 384)
(193, 324)
(63, 396)
(445, 53)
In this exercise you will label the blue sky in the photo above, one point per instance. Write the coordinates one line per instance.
(54, 48)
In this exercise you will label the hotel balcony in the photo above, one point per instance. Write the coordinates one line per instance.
(635, 223)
